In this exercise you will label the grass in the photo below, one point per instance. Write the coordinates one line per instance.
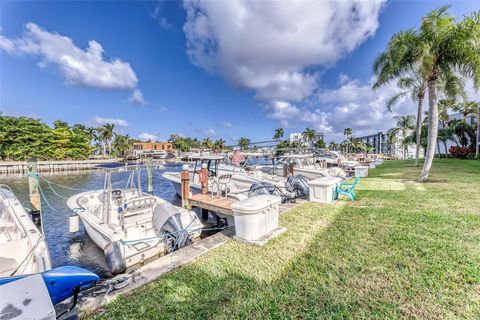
(404, 250)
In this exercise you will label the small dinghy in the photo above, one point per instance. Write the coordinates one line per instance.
(130, 225)
(34, 296)
(23, 249)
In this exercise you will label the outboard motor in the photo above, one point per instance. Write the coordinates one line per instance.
(298, 184)
(167, 223)
(114, 256)
(257, 189)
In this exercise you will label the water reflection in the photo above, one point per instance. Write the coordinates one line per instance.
(76, 248)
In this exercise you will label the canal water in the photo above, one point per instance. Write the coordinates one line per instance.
(76, 248)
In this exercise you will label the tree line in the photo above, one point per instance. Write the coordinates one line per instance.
(24, 137)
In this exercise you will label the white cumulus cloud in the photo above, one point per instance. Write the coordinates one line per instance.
(97, 120)
(270, 46)
(80, 67)
(137, 97)
(352, 104)
(147, 136)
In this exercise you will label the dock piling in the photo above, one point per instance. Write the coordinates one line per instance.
(185, 179)
(149, 174)
(33, 183)
(204, 180)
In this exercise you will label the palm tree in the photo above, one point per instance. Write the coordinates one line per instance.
(443, 106)
(347, 132)
(244, 143)
(106, 135)
(207, 143)
(404, 125)
(466, 108)
(219, 144)
(279, 132)
(412, 84)
(391, 139)
(441, 48)
(308, 135)
(122, 144)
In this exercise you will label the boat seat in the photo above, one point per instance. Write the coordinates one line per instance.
(7, 266)
(136, 204)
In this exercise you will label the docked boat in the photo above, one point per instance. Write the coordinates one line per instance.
(130, 225)
(239, 180)
(240, 183)
(34, 296)
(334, 158)
(23, 248)
(305, 165)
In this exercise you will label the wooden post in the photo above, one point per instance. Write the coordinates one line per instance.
(149, 174)
(290, 169)
(285, 170)
(35, 201)
(185, 177)
(204, 182)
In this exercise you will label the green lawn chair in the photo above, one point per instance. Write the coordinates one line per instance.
(347, 189)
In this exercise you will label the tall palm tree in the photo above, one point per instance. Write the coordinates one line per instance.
(441, 48)
(415, 85)
(244, 143)
(404, 125)
(106, 135)
(347, 132)
(308, 135)
(391, 140)
(279, 132)
(443, 106)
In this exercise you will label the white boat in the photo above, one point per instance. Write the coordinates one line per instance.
(23, 249)
(305, 165)
(240, 180)
(335, 158)
(130, 225)
(156, 154)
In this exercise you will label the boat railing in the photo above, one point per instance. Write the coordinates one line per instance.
(8, 203)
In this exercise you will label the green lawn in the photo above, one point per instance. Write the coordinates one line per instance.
(403, 250)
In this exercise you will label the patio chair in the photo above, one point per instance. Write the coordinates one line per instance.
(347, 189)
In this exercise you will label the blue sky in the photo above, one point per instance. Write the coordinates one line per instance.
(218, 69)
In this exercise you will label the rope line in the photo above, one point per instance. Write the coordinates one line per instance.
(62, 186)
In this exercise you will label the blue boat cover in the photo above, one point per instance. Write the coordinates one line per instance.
(62, 281)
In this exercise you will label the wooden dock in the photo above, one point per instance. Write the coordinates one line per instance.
(224, 205)
(214, 204)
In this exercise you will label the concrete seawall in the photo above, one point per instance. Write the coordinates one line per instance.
(16, 167)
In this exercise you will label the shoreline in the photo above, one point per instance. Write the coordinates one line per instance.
(21, 167)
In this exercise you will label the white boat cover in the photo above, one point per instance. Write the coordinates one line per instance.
(26, 298)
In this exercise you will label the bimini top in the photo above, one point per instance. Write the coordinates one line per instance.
(206, 157)
(296, 156)
(127, 167)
